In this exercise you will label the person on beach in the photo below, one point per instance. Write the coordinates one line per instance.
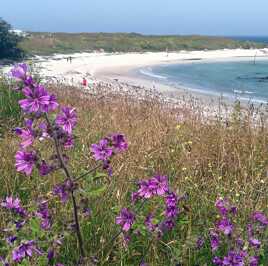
(84, 82)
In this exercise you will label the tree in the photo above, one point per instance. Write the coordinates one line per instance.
(9, 42)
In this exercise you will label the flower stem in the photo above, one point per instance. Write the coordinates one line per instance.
(69, 176)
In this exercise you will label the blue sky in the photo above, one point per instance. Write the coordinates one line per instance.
(211, 17)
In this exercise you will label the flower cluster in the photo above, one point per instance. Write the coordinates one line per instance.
(241, 251)
(24, 250)
(147, 189)
(43, 214)
(37, 104)
(107, 148)
(14, 205)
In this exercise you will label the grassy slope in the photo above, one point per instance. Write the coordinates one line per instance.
(47, 43)
(204, 160)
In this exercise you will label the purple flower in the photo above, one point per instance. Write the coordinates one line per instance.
(14, 205)
(171, 205)
(69, 142)
(25, 161)
(37, 99)
(214, 240)
(119, 142)
(149, 223)
(102, 151)
(52, 104)
(125, 219)
(260, 217)
(11, 239)
(43, 214)
(50, 254)
(63, 190)
(67, 119)
(217, 261)
(200, 242)
(161, 183)
(44, 168)
(234, 259)
(253, 261)
(19, 71)
(146, 189)
(11, 203)
(24, 250)
(168, 224)
(225, 226)
(255, 242)
(224, 207)
(27, 134)
(4, 261)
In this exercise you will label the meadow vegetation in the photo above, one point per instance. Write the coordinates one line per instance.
(48, 43)
(204, 159)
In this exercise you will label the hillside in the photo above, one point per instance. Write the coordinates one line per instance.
(48, 43)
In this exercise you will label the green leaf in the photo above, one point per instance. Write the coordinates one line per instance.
(97, 192)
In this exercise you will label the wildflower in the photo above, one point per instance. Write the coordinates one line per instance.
(67, 119)
(44, 168)
(37, 99)
(234, 258)
(146, 189)
(26, 134)
(14, 205)
(253, 261)
(52, 104)
(225, 226)
(214, 240)
(149, 223)
(19, 71)
(25, 161)
(24, 250)
(63, 190)
(4, 261)
(255, 242)
(171, 205)
(200, 242)
(125, 219)
(50, 254)
(43, 214)
(161, 183)
(119, 142)
(217, 261)
(102, 151)
(224, 207)
(11, 239)
(260, 217)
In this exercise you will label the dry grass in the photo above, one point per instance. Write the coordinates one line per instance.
(203, 159)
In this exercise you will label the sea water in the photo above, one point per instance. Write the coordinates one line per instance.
(246, 80)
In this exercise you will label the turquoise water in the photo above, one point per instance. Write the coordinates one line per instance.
(244, 80)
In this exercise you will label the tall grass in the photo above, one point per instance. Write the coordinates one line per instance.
(10, 112)
(204, 158)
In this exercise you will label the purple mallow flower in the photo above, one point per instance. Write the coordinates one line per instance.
(26, 134)
(214, 240)
(67, 119)
(63, 190)
(44, 168)
(260, 217)
(253, 261)
(37, 99)
(119, 142)
(224, 207)
(43, 214)
(19, 71)
(225, 226)
(25, 161)
(234, 258)
(171, 201)
(255, 243)
(125, 219)
(102, 151)
(24, 250)
(157, 185)
(14, 204)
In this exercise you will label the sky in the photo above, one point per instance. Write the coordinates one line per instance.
(206, 17)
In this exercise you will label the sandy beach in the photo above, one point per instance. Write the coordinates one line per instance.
(110, 67)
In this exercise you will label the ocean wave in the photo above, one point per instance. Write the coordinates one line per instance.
(148, 72)
(243, 92)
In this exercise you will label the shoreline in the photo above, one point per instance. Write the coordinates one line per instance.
(122, 67)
